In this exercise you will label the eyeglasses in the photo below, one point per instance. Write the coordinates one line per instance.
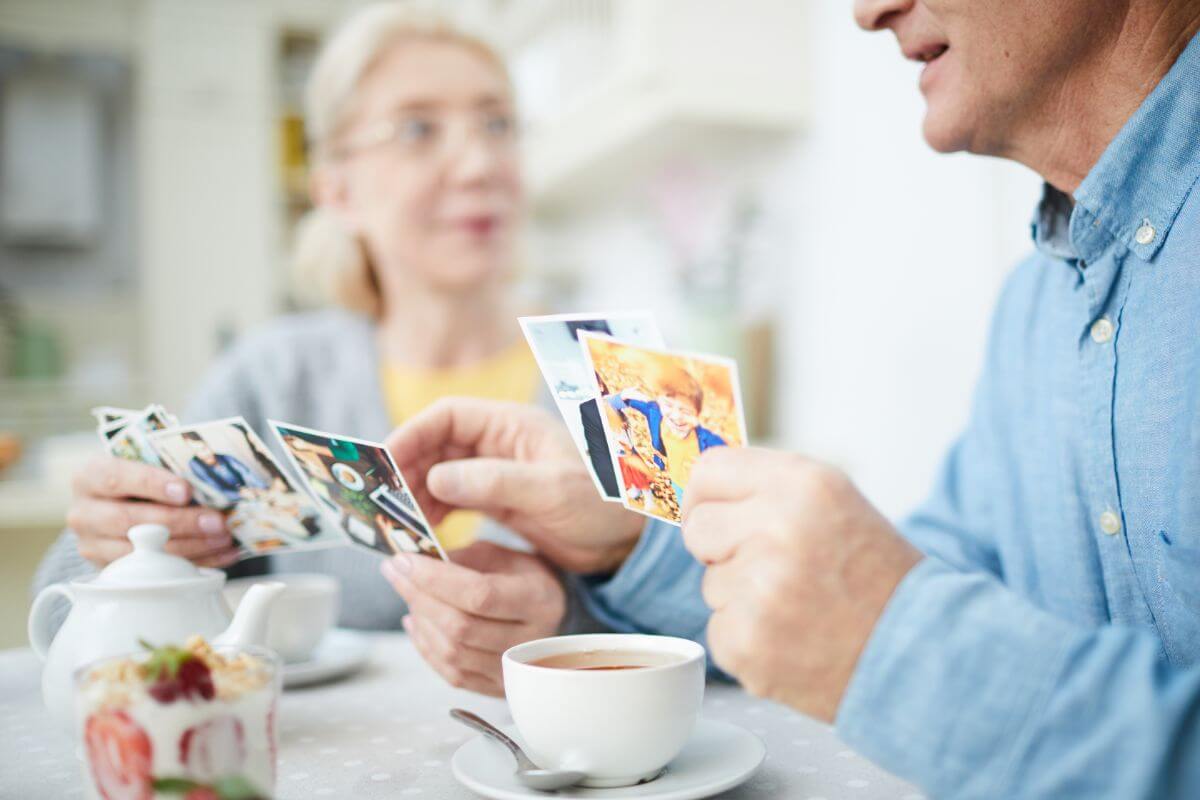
(431, 133)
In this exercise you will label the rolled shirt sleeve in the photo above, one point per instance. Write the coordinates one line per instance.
(972, 691)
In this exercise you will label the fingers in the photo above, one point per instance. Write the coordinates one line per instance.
(720, 586)
(725, 632)
(221, 559)
(111, 477)
(454, 675)
(493, 596)
(485, 556)
(453, 653)
(113, 518)
(102, 550)
(490, 636)
(199, 534)
(713, 531)
(730, 474)
(494, 486)
(452, 422)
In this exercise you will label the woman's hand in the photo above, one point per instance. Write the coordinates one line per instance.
(464, 614)
(111, 495)
(517, 464)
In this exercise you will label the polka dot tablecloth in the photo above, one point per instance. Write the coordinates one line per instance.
(385, 733)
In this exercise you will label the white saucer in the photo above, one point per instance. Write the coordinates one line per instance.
(718, 756)
(341, 652)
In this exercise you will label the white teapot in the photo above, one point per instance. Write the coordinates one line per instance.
(147, 595)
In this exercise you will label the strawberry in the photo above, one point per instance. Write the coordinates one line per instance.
(213, 748)
(175, 673)
(120, 755)
(195, 678)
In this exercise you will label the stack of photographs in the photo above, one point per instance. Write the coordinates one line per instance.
(352, 491)
(640, 415)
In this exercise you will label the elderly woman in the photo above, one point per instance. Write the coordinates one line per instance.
(418, 194)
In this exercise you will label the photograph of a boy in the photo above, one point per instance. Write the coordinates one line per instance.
(673, 419)
(555, 342)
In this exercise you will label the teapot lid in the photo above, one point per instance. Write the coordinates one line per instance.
(149, 563)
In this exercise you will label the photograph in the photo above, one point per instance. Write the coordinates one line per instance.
(232, 470)
(554, 341)
(128, 437)
(662, 409)
(106, 416)
(358, 484)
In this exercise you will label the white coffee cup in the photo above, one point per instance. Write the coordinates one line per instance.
(618, 727)
(301, 614)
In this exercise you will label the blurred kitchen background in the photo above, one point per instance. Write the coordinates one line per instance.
(752, 170)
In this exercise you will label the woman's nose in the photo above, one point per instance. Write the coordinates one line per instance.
(874, 15)
(475, 160)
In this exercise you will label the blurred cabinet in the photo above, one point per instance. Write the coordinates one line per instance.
(207, 154)
(613, 87)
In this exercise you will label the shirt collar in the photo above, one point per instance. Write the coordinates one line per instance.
(1051, 224)
(1134, 192)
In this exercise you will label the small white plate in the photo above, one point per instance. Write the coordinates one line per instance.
(718, 756)
(341, 652)
(347, 477)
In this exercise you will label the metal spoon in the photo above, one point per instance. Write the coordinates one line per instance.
(527, 772)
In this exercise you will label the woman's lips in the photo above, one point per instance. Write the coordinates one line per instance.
(478, 227)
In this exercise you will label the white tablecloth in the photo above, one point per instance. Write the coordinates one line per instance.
(385, 733)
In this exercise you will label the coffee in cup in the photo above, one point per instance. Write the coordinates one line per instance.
(616, 707)
(606, 660)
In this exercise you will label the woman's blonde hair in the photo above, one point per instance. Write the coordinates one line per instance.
(329, 263)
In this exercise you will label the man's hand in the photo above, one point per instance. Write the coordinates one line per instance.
(463, 615)
(111, 495)
(800, 566)
(516, 464)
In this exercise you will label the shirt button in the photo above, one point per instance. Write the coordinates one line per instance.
(1110, 523)
(1145, 234)
(1102, 330)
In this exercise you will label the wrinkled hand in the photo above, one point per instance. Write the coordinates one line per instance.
(464, 614)
(516, 464)
(800, 567)
(110, 495)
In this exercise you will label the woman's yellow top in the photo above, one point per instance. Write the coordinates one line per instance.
(509, 375)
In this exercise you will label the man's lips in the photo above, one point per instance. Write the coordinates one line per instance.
(924, 52)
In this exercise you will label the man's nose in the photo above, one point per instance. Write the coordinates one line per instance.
(875, 15)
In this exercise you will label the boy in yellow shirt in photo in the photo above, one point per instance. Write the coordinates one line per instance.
(673, 417)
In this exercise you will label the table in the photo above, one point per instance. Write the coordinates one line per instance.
(385, 733)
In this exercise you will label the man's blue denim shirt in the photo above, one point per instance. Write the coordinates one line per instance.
(1049, 643)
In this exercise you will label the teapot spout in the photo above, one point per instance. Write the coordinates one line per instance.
(249, 625)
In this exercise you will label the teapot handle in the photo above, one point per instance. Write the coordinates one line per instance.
(39, 617)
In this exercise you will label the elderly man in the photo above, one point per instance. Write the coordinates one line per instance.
(1034, 629)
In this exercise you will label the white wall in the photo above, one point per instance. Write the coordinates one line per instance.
(899, 255)
(887, 260)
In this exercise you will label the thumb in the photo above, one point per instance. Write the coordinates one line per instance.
(490, 485)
